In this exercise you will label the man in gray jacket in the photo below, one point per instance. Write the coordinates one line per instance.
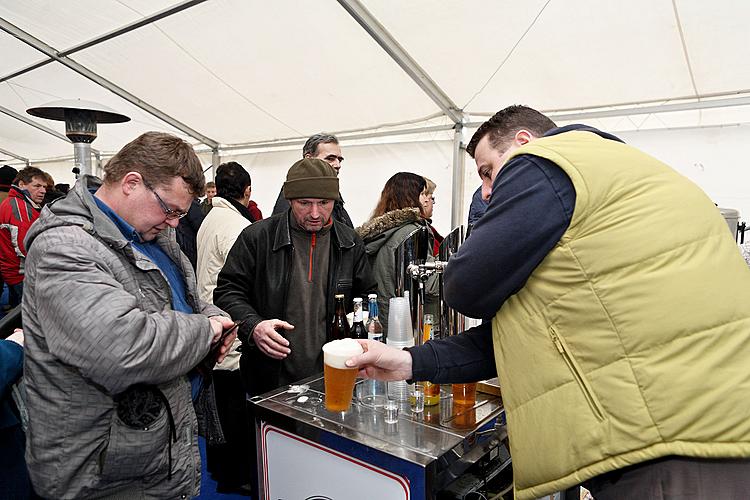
(115, 330)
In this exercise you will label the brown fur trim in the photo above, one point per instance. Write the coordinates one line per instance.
(388, 220)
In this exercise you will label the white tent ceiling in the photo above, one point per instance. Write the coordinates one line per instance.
(232, 75)
(239, 71)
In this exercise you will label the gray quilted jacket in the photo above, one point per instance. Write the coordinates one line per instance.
(97, 319)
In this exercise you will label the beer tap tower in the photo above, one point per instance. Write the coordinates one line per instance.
(414, 268)
(419, 274)
(451, 321)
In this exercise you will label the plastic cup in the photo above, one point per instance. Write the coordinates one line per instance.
(337, 377)
(399, 320)
(391, 411)
(372, 393)
(416, 398)
(465, 417)
(398, 390)
(465, 394)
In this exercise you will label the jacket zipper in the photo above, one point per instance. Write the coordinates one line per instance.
(333, 279)
(287, 276)
(588, 393)
(313, 240)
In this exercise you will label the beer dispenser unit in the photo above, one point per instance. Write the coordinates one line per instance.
(451, 321)
(413, 269)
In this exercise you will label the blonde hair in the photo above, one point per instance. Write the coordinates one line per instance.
(430, 188)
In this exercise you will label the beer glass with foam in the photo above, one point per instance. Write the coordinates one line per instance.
(338, 378)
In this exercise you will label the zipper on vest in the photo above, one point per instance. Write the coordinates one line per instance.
(588, 393)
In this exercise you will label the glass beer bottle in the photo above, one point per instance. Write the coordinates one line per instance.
(340, 326)
(431, 391)
(374, 326)
(358, 327)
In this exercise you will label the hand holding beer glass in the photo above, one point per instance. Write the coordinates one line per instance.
(338, 378)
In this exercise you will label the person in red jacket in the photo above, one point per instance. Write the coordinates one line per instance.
(254, 211)
(17, 212)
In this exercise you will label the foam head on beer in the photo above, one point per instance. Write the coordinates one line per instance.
(336, 352)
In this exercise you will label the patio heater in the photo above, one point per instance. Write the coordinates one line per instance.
(80, 119)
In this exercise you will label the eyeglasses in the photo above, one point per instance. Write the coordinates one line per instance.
(170, 213)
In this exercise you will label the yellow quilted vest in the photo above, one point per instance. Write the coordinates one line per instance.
(631, 340)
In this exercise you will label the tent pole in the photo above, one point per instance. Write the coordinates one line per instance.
(341, 137)
(388, 42)
(591, 113)
(13, 155)
(98, 172)
(108, 36)
(33, 123)
(49, 51)
(457, 198)
(215, 161)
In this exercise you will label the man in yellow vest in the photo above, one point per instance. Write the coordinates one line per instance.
(616, 308)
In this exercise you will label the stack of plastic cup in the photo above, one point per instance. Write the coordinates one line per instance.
(398, 391)
(400, 335)
(400, 332)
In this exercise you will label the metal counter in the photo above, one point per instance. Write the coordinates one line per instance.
(328, 453)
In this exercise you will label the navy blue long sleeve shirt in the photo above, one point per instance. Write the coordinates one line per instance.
(530, 209)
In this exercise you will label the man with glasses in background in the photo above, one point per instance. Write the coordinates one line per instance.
(114, 330)
(323, 147)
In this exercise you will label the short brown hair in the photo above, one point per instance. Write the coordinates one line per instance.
(48, 180)
(505, 123)
(158, 157)
(25, 175)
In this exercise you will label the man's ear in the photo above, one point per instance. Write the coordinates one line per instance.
(523, 136)
(248, 191)
(307, 155)
(130, 182)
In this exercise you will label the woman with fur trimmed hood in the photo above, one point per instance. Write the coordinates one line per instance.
(398, 213)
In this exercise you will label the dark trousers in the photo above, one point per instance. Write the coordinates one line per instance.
(15, 294)
(675, 478)
(231, 464)
(14, 478)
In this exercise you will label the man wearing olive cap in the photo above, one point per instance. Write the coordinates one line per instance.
(325, 147)
(282, 274)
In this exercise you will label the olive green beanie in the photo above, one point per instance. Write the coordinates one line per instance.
(311, 178)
